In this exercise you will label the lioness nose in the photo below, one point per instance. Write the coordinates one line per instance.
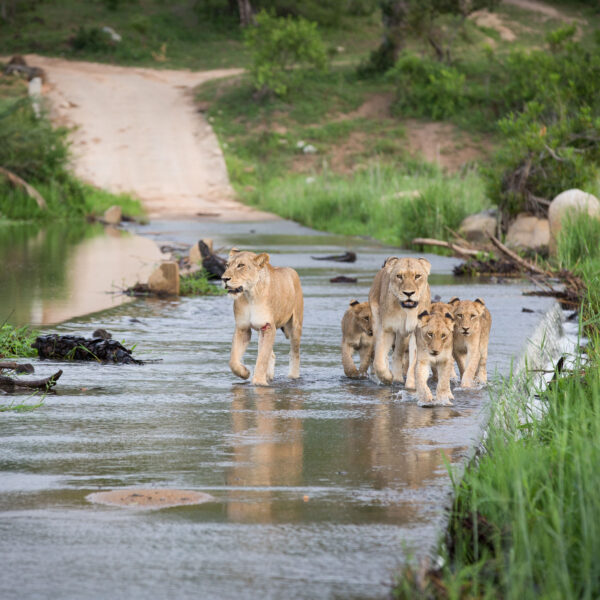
(409, 294)
(434, 352)
(465, 329)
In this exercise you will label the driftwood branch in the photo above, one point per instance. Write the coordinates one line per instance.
(454, 247)
(15, 366)
(9, 384)
(16, 181)
(517, 259)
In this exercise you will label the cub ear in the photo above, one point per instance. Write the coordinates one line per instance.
(454, 300)
(389, 261)
(423, 315)
(425, 264)
(262, 259)
(353, 302)
(449, 316)
(480, 301)
(233, 252)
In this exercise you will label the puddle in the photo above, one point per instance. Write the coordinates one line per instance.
(321, 486)
(64, 270)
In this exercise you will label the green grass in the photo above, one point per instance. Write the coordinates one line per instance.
(19, 406)
(198, 284)
(15, 342)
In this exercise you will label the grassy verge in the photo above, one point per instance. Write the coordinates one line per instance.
(335, 159)
(198, 284)
(15, 342)
(33, 149)
(526, 517)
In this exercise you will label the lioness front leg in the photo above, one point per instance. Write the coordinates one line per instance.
(241, 339)
(266, 339)
(383, 345)
(398, 359)
(472, 362)
(424, 395)
(295, 335)
(348, 361)
(412, 363)
(482, 369)
(443, 393)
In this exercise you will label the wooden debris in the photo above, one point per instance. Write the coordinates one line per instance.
(8, 384)
(16, 367)
(348, 257)
(16, 181)
(343, 279)
(73, 347)
(460, 250)
(524, 264)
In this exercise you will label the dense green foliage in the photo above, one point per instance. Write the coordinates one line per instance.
(198, 284)
(15, 342)
(282, 51)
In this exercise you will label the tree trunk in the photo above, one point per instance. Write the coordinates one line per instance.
(245, 9)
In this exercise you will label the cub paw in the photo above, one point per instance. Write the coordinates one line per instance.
(240, 371)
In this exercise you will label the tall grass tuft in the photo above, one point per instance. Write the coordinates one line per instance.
(15, 342)
(380, 202)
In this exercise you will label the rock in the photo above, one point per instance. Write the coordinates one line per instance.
(114, 36)
(113, 215)
(527, 231)
(569, 202)
(475, 228)
(165, 280)
(194, 255)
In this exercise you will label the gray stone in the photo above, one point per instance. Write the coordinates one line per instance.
(113, 215)
(114, 36)
(164, 281)
(569, 203)
(475, 228)
(527, 231)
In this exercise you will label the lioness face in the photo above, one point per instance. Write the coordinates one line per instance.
(435, 331)
(363, 316)
(467, 316)
(408, 279)
(243, 271)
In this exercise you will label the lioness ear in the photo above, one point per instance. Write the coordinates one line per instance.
(425, 264)
(480, 301)
(454, 300)
(389, 261)
(262, 259)
(423, 315)
(233, 252)
(353, 302)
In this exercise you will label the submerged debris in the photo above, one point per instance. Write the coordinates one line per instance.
(73, 347)
(348, 257)
(343, 279)
(213, 263)
(8, 384)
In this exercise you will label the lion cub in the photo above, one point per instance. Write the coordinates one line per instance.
(434, 349)
(266, 298)
(473, 322)
(357, 334)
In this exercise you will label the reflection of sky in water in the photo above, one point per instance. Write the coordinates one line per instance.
(322, 485)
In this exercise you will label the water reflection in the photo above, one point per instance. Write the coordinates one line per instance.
(59, 271)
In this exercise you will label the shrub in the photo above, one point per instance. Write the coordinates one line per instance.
(90, 39)
(281, 52)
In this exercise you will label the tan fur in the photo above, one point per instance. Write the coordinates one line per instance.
(266, 298)
(473, 322)
(434, 350)
(400, 280)
(443, 308)
(357, 335)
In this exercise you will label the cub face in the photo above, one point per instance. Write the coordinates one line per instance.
(408, 279)
(434, 333)
(467, 315)
(243, 271)
(361, 312)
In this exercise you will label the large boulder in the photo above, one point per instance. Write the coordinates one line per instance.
(113, 215)
(527, 231)
(476, 228)
(164, 281)
(569, 203)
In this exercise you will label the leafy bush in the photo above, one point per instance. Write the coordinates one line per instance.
(281, 52)
(90, 39)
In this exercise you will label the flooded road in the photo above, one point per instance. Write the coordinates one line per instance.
(321, 486)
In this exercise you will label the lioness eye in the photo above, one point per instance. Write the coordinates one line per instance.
(444, 336)
(366, 318)
(399, 276)
(240, 266)
(473, 316)
(430, 335)
(417, 277)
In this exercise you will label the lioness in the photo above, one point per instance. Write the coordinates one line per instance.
(357, 334)
(398, 294)
(443, 308)
(434, 350)
(265, 299)
(473, 322)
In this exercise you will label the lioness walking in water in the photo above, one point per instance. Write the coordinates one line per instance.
(266, 298)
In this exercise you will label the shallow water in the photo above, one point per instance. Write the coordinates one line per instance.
(322, 486)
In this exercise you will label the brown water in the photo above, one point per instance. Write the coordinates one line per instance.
(322, 486)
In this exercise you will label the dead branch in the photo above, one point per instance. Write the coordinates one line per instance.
(9, 384)
(516, 258)
(15, 366)
(454, 247)
(16, 181)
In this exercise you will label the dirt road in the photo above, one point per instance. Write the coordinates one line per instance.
(137, 131)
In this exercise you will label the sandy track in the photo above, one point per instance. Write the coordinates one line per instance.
(137, 131)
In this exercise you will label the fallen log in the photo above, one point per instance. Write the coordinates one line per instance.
(73, 347)
(348, 257)
(16, 181)
(213, 263)
(8, 384)
(17, 367)
(517, 259)
(454, 247)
